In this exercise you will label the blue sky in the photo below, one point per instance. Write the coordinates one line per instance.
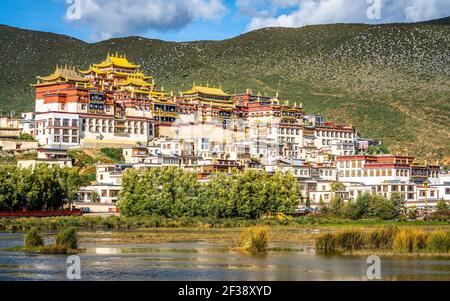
(188, 20)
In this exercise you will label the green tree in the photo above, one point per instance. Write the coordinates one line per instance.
(338, 186)
(399, 204)
(381, 207)
(26, 137)
(216, 197)
(162, 191)
(337, 206)
(442, 206)
(44, 188)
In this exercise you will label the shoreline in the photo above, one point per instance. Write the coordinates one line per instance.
(154, 222)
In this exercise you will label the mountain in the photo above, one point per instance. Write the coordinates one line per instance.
(391, 81)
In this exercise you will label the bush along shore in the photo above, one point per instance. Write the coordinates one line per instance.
(153, 221)
(385, 240)
(66, 243)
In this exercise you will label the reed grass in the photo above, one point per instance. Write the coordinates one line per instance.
(33, 239)
(410, 241)
(382, 237)
(351, 240)
(255, 239)
(67, 238)
(385, 239)
(438, 242)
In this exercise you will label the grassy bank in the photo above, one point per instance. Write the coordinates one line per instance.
(151, 222)
(66, 243)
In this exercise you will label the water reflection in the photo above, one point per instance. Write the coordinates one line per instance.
(205, 261)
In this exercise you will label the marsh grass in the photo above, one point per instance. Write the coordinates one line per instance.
(351, 240)
(410, 241)
(385, 239)
(33, 239)
(438, 242)
(66, 243)
(67, 238)
(255, 240)
(382, 237)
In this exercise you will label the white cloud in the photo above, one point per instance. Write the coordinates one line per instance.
(111, 18)
(297, 13)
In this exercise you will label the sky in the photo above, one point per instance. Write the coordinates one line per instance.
(190, 20)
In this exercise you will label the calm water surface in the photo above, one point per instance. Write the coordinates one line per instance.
(206, 261)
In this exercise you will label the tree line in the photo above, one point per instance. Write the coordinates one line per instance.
(367, 206)
(171, 192)
(41, 188)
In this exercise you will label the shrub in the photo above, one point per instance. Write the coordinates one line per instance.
(442, 206)
(413, 213)
(438, 242)
(410, 241)
(441, 216)
(33, 239)
(114, 154)
(67, 238)
(255, 239)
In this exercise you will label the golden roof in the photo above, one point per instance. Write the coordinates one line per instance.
(116, 60)
(93, 69)
(207, 91)
(134, 81)
(61, 74)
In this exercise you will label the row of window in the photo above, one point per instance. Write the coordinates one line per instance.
(63, 132)
(283, 131)
(374, 173)
(65, 139)
(58, 122)
(333, 134)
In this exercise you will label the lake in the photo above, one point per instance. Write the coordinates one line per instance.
(189, 261)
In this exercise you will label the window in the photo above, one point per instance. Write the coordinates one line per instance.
(447, 190)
